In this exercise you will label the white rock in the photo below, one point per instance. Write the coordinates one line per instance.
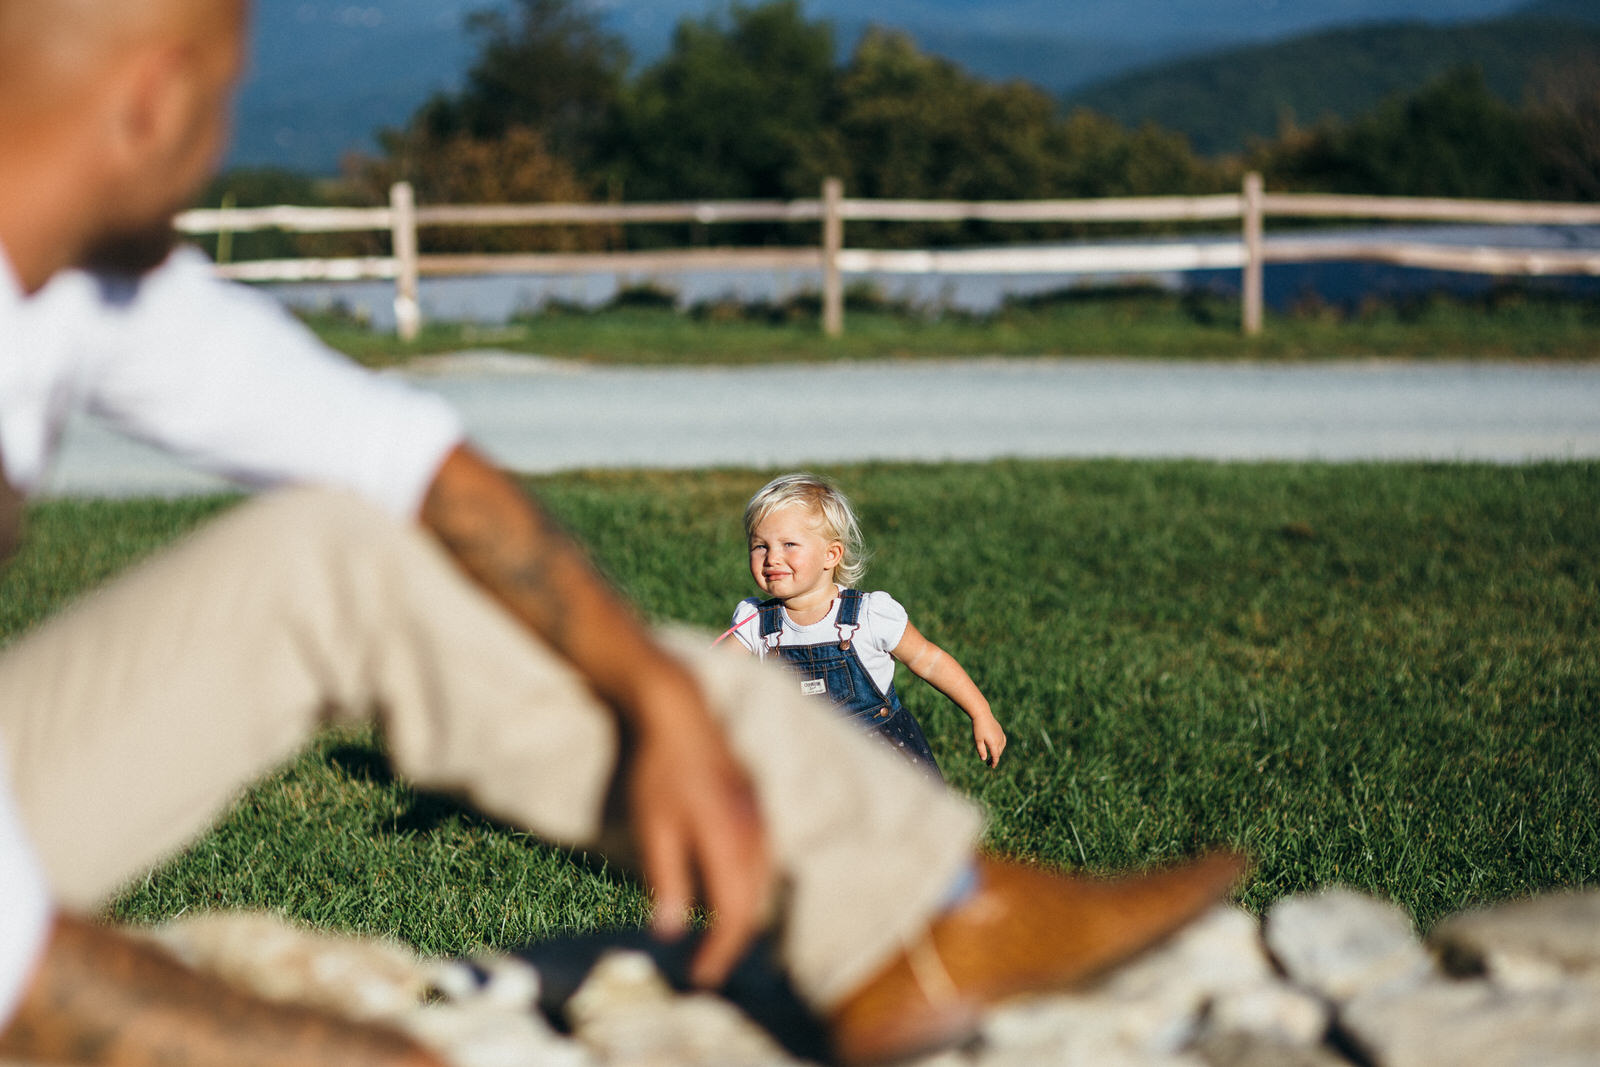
(1272, 1012)
(1339, 943)
(627, 1014)
(955, 1057)
(1220, 951)
(618, 980)
(486, 1034)
(1239, 1049)
(1529, 944)
(1148, 1009)
(1476, 1024)
(1086, 1029)
(1088, 1057)
(510, 984)
(359, 977)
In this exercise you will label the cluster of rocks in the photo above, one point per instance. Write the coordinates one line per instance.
(1333, 978)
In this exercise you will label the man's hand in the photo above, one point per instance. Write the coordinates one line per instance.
(696, 819)
(693, 812)
(101, 997)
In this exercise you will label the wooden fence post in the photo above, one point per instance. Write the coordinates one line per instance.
(1252, 282)
(403, 228)
(225, 235)
(832, 242)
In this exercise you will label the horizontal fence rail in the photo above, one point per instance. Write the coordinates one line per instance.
(1249, 253)
(283, 217)
(1429, 209)
(1470, 259)
(1123, 209)
(1088, 259)
(708, 211)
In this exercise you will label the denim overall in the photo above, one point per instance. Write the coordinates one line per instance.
(836, 670)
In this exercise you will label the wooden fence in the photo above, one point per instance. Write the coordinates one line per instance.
(1249, 253)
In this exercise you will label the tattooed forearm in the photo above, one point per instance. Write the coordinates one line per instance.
(99, 997)
(511, 548)
(504, 541)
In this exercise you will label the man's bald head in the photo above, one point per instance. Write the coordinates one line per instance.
(111, 115)
(50, 45)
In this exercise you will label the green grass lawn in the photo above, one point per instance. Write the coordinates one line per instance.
(1380, 675)
(1510, 323)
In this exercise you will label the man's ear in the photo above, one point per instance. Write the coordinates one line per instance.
(149, 107)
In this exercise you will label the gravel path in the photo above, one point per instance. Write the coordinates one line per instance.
(543, 415)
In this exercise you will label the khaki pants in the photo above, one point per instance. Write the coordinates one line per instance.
(134, 717)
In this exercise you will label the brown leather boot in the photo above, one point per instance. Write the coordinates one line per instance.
(1023, 930)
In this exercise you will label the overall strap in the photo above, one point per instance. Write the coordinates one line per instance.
(771, 621)
(848, 619)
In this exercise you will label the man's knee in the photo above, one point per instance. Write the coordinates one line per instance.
(306, 522)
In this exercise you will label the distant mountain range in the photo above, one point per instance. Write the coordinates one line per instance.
(1222, 99)
(326, 74)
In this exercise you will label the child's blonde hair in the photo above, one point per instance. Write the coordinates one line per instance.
(821, 499)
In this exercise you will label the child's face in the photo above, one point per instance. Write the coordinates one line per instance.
(791, 556)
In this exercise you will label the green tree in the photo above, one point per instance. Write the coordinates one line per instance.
(1099, 156)
(1452, 138)
(918, 126)
(512, 168)
(546, 65)
(740, 106)
(1564, 113)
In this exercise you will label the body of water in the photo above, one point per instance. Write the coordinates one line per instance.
(495, 299)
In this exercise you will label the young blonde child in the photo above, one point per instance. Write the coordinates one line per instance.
(805, 554)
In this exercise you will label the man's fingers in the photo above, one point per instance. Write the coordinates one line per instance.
(738, 879)
(667, 871)
(737, 873)
(701, 838)
(724, 943)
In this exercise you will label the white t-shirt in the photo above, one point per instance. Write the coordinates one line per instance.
(222, 378)
(883, 624)
(214, 373)
(25, 909)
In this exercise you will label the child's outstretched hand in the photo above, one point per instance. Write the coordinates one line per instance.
(989, 738)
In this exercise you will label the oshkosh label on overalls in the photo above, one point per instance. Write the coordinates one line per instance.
(813, 687)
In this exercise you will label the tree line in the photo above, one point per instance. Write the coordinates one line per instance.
(753, 101)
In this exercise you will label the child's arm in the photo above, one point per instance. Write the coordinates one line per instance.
(738, 629)
(939, 669)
